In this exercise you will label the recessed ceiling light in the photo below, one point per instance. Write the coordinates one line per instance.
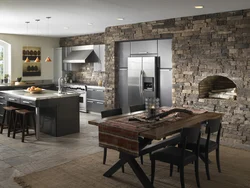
(199, 6)
(65, 27)
(120, 19)
(90, 24)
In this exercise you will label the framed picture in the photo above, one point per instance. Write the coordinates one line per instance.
(31, 68)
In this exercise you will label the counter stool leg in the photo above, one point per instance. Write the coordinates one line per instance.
(3, 120)
(34, 121)
(15, 125)
(23, 128)
(10, 123)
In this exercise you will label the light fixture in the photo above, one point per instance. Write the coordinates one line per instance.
(37, 60)
(48, 58)
(65, 27)
(120, 19)
(199, 6)
(27, 49)
(90, 24)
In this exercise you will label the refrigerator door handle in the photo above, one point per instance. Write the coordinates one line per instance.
(141, 82)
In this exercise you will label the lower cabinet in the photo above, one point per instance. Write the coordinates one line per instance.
(95, 106)
(2, 104)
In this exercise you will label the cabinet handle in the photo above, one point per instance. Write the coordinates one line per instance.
(90, 101)
(26, 102)
(90, 90)
(1, 103)
(1, 115)
(142, 52)
(11, 99)
(99, 90)
(1, 97)
(99, 102)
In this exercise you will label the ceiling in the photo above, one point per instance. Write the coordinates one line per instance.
(77, 14)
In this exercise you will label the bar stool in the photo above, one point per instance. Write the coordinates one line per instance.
(22, 117)
(9, 111)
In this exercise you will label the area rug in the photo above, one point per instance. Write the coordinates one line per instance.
(87, 172)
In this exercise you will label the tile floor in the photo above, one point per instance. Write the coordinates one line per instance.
(17, 158)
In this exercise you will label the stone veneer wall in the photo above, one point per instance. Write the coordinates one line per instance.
(97, 38)
(206, 45)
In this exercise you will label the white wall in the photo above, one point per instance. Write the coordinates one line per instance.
(18, 41)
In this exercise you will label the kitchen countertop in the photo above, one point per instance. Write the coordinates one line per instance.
(6, 85)
(46, 94)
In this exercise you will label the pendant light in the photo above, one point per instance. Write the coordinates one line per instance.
(27, 51)
(48, 58)
(37, 60)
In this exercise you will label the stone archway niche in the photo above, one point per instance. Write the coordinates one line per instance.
(218, 87)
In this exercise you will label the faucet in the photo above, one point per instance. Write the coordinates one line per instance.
(60, 82)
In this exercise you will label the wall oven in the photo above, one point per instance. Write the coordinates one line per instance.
(82, 90)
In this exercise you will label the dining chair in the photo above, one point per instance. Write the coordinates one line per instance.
(136, 108)
(180, 156)
(207, 145)
(108, 113)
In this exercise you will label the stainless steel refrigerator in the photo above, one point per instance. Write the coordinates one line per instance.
(143, 79)
(135, 69)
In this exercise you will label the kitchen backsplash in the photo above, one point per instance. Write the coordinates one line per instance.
(87, 75)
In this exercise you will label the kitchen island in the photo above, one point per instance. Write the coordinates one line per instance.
(56, 114)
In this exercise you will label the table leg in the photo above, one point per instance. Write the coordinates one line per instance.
(37, 122)
(115, 167)
(126, 158)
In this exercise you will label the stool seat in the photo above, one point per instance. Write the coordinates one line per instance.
(24, 111)
(10, 108)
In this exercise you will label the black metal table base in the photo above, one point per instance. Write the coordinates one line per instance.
(126, 158)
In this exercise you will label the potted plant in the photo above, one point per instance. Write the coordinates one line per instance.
(6, 76)
(18, 79)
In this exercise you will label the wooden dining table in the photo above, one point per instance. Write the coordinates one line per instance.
(121, 133)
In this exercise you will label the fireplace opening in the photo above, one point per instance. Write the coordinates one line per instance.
(217, 87)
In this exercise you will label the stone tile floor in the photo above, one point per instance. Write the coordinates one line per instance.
(17, 158)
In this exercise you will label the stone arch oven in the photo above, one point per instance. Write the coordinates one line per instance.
(218, 87)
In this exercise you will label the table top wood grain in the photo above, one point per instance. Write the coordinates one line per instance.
(167, 127)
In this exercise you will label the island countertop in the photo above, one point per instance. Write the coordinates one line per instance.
(45, 94)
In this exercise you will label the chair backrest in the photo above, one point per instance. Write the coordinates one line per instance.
(137, 108)
(112, 112)
(190, 135)
(213, 125)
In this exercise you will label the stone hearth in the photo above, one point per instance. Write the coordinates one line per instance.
(217, 87)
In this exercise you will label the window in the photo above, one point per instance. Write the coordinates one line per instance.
(5, 55)
(1, 62)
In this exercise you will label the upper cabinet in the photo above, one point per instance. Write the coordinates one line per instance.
(165, 53)
(100, 52)
(102, 56)
(146, 47)
(123, 49)
(57, 63)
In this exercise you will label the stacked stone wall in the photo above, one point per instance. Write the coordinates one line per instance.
(205, 45)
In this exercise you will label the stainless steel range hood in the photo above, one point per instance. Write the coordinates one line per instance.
(81, 56)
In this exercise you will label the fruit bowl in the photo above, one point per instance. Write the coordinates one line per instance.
(34, 90)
